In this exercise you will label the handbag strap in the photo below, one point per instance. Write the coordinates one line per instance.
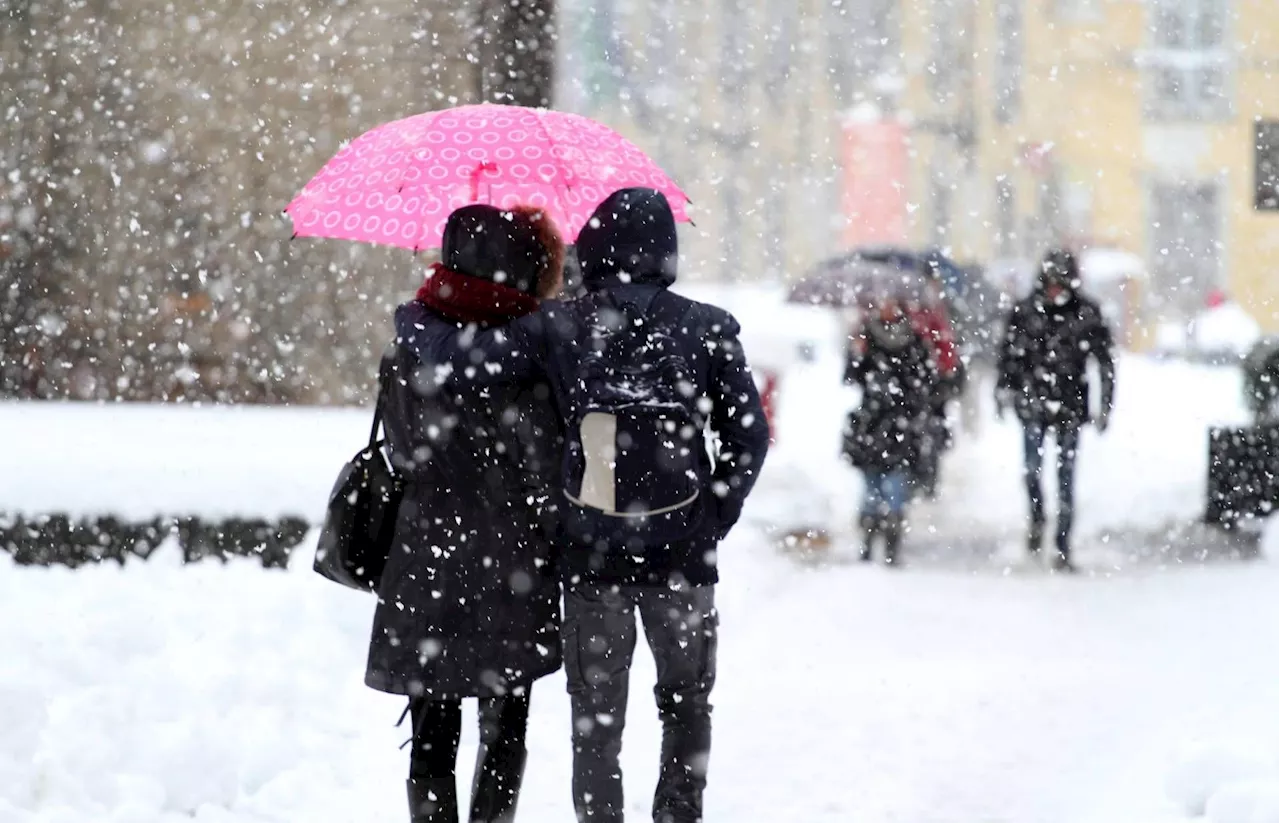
(385, 367)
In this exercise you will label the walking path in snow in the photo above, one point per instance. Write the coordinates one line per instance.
(845, 694)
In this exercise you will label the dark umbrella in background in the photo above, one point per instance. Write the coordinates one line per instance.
(851, 282)
(954, 279)
(974, 305)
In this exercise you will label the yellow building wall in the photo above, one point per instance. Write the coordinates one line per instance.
(1253, 253)
(1082, 96)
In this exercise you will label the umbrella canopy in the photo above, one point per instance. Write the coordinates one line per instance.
(850, 282)
(952, 276)
(397, 183)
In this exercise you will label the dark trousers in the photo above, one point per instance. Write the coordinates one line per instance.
(1033, 448)
(599, 633)
(437, 727)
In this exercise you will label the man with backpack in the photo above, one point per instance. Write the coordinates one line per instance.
(641, 377)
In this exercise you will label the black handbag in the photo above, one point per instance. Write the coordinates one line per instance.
(361, 519)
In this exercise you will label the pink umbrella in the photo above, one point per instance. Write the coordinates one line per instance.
(396, 184)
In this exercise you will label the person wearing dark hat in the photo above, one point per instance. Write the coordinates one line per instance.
(469, 603)
(890, 360)
(1043, 377)
(642, 377)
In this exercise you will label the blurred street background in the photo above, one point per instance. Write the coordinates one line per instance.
(149, 149)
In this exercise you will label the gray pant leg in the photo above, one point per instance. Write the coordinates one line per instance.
(599, 637)
(681, 627)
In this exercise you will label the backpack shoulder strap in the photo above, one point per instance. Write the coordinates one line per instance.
(675, 313)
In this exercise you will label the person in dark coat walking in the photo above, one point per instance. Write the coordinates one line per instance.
(627, 253)
(886, 433)
(1043, 377)
(469, 603)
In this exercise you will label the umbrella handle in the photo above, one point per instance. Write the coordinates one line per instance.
(476, 173)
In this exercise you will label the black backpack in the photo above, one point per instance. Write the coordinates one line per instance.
(634, 478)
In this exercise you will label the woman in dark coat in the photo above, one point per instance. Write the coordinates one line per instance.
(469, 602)
(885, 434)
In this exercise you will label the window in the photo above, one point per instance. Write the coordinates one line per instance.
(1185, 244)
(1074, 9)
(1266, 165)
(1006, 219)
(944, 60)
(1186, 69)
(864, 46)
(1050, 224)
(1008, 68)
(940, 187)
(1188, 24)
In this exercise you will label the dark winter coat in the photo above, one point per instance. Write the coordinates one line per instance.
(469, 604)
(898, 378)
(629, 251)
(1044, 357)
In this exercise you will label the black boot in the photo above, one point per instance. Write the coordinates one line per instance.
(501, 759)
(1062, 558)
(869, 525)
(892, 528)
(1035, 538)
(496, 790)
(433, 800)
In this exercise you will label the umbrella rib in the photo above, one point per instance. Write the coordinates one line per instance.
(537, 114)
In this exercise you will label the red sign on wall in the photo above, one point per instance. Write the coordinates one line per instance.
(874, 198)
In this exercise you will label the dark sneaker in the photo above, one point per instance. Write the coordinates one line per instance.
(870, 527)
(892, 539)
(1035, 538)
(1061, 563)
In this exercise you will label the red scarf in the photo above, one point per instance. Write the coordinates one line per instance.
(464, 299)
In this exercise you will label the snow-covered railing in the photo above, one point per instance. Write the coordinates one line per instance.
(82, 483)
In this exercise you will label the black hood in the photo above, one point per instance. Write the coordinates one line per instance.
(491, 244)
(631, 238)
(1059, 267)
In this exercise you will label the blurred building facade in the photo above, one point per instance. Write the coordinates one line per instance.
(1147, 127)
(741, 102)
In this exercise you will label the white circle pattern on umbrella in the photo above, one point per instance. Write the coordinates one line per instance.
(397, 183)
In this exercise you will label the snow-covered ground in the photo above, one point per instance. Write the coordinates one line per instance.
(967, 687)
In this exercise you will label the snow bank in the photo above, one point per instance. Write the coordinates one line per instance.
(140, 460)
(1105, 266)
(172, 691)
(1227, 329)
